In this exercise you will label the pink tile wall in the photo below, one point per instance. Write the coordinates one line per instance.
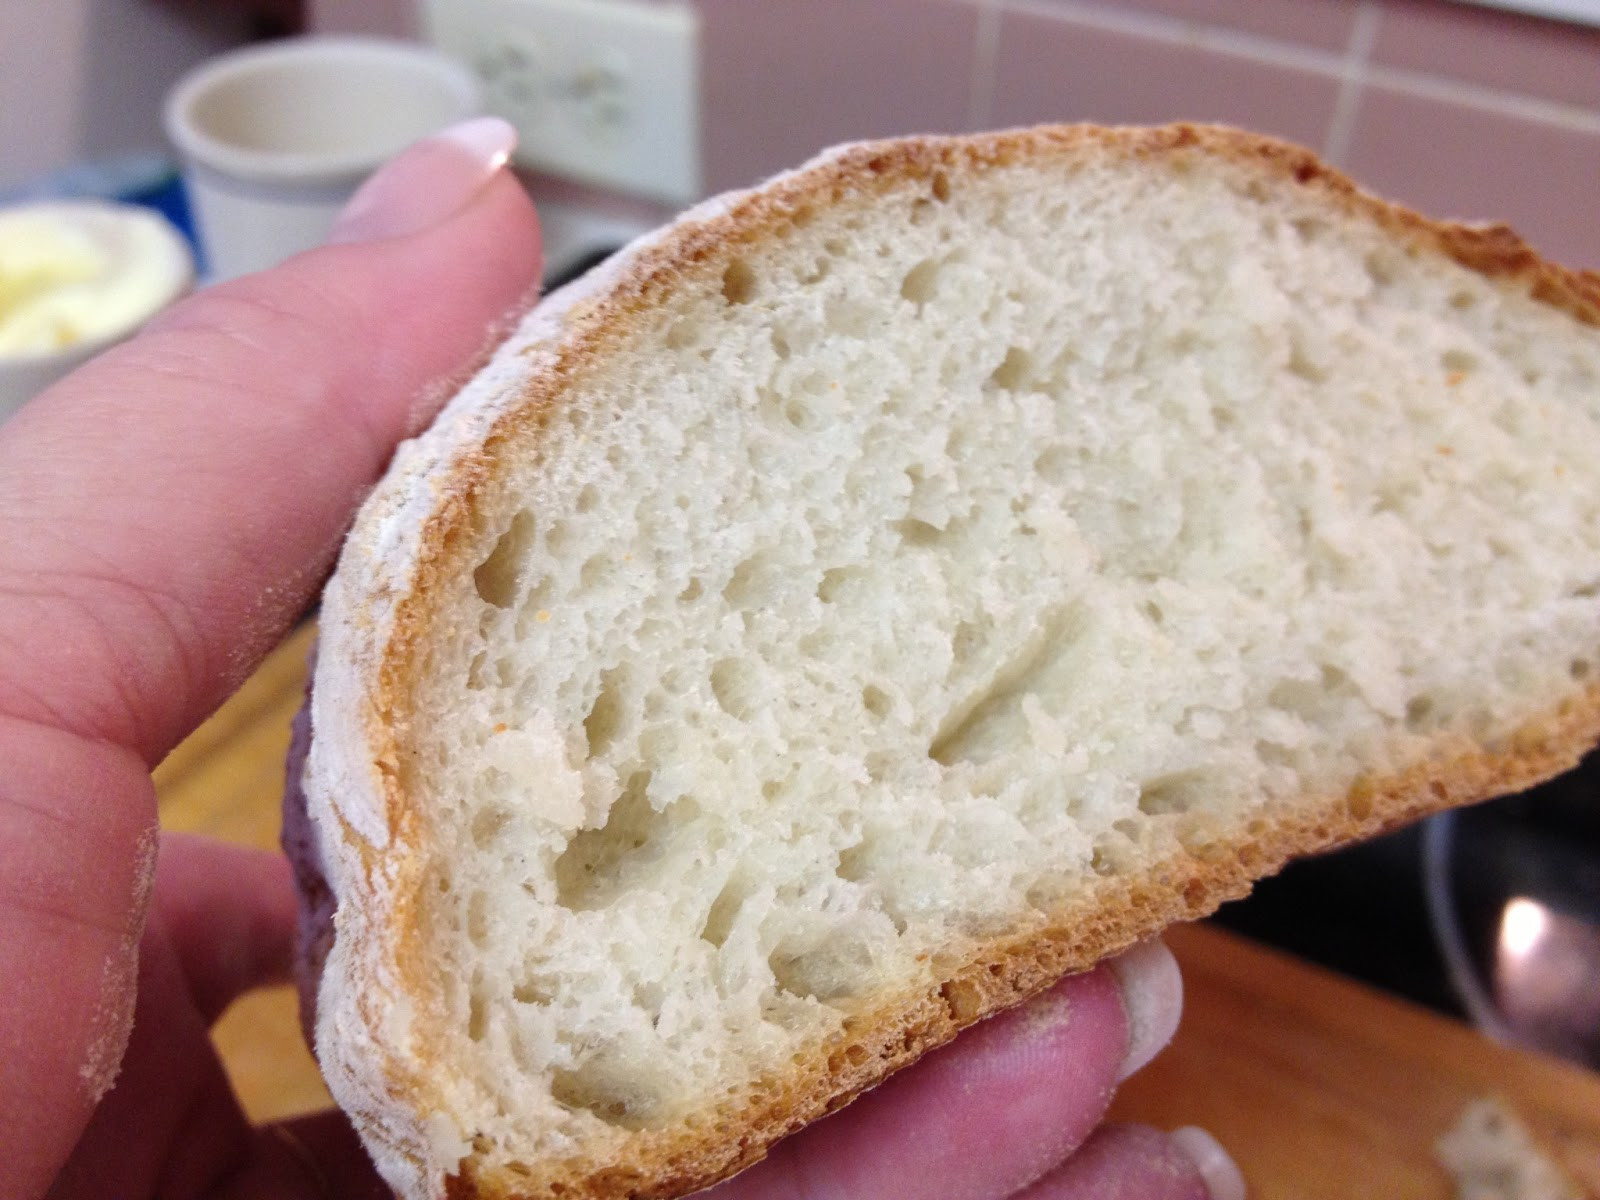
(1551, 59)
(386, 18)
(1455, 108)
(1324, 23)
(1054, 70)
(782, 81)
(1451, 161)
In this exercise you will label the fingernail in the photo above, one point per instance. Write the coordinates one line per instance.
(427, 182)
(1216, 1167)
(1152, 996)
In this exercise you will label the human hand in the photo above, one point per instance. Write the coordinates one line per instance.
(169, 511)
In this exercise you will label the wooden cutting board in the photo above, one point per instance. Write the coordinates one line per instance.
(1319, 1086)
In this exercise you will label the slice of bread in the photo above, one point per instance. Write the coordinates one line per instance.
(884, 591)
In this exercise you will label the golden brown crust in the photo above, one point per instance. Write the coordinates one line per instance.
(879, 1041)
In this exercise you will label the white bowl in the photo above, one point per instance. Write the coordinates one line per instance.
(142, 264)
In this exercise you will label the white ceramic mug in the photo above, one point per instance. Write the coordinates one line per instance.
(275, 138)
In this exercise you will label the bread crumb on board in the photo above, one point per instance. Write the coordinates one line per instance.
(1492, 1154)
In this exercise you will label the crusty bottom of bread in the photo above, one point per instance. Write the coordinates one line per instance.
(989, 978)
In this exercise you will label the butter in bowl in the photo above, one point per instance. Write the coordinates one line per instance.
(77, 276)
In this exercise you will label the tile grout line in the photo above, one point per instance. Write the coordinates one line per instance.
(985, 53)
(1178, 31)
(1357, 59)
(1469, 95)
(1330, 64)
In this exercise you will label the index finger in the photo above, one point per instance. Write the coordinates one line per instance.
(975, 1120)
(168, 511)
(171, 507)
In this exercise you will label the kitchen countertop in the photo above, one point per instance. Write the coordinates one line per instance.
(1318, 1085)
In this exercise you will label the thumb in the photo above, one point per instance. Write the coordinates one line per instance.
(167, 512)
(184, 493)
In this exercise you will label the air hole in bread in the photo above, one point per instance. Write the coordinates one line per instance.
(816, 272)
(962, 999)
(1177, 792)
(1309, 229)
(736, 684)
(1301, 362)
(647, 998)
(828, 968)
(1256, 190)
(600, 864)
(850, 316)
(817, 644)
(834, 581)
(723, 912)
(487, 825)
(559, 537)
(939, 185)
(755, 582)
(1579, 668)
(1015, 370)
(1054, 465)
(914, 532)
(1111, 856)
(1382, 267)
(1420, 714)
(876, 701)
(964, 642)
(1310, 700)
(608, 712)
(739, 282)
(1457, 361)
(980, 722)
(922, 281)
(615, 1086)
(801, 414)
(496, 576)
(478, 919)
(683, 335)
(855, 862)
(658, 704)
(597, 570)
(533, 991)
